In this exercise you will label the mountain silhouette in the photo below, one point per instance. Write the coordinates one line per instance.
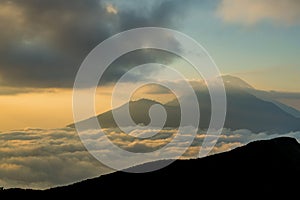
(265, 166)
(235, 82)
(232, 82)
(139, 113)
(245, 110)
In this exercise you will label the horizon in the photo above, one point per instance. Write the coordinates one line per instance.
(61, 111)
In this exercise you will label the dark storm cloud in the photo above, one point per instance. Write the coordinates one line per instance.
(165, 13)
(135, 58)
(42, 43)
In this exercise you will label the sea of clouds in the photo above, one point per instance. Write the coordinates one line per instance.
(43, 158)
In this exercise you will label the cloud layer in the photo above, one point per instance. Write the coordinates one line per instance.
(41, 158)
(249, 12)
(43, 43)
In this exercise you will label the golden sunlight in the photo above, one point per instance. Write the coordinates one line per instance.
(111, 9)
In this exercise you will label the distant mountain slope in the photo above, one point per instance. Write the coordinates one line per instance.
(232, 82)
(267, 166)
(244, 111)
(247, 108)
(288, 109)
(139, 111)
(267, 96)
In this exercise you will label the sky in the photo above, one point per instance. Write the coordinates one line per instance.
(43, 43)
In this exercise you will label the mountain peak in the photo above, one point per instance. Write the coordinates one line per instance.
(235, 82)
(144, 100)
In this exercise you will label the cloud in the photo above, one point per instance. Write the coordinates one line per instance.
(15, 90)
(249, 12)
(43, 43)
(40, 158)
(111, 9)
(43, 158)
(155, 89)
(135, 58)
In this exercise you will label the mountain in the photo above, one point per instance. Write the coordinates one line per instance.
(235, 82)
(232, 82)
(294, 112)
(245, 110)
(139, 112)
(267, 166)
(268, 96)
